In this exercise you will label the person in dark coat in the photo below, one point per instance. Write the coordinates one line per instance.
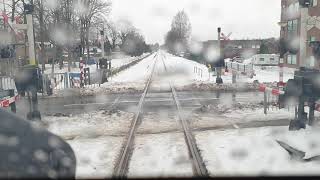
(28, 151)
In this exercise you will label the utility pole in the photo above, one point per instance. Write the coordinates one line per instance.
(68, 14)
(30, 32)
(220, 52)
(102, 42)
(42, 36)
(303, 35)
(29, 84)
(4, 11)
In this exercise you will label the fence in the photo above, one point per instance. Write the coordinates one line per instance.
(61, 81)
(198, 71)
(7, 83)
(245, 69)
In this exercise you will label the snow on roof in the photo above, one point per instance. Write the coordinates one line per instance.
(227, 60)
(247, 61)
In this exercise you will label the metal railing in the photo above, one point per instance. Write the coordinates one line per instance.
(246, 69)
(198, 71)
(7, 83)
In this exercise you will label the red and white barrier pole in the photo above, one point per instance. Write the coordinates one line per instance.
(81, 72)
(281, 83)
(278, 92)
(264, 88)
(9, 102)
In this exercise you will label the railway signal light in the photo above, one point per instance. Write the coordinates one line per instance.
(28, 8)
(305, 3)
(5, 53)
(315, 48)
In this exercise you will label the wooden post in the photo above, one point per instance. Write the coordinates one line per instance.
(13, 105)
(234, 77)
(265, 106)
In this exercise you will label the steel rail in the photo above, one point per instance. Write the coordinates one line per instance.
(122, 165)
(199, 167)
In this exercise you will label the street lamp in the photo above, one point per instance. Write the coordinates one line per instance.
(281, 84)
(102, 35)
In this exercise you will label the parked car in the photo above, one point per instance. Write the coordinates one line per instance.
(91, 61)
(238, 59)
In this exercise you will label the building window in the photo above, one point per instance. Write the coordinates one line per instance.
(312, 38)
(253, 46)
(296, 6)
(293, 27)
(292, 59)
(312, 61)
(258, 46)
(293, 9)
(271, 59)
(314, 3)
(261, 59)
(240, 47)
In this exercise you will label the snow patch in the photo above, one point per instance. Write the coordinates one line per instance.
(236, 152)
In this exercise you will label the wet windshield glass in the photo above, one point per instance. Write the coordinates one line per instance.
(159, 88)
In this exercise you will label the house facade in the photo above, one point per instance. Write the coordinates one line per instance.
(299, 26)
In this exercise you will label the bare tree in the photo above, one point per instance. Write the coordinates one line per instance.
(181, 25)
(125, 28)
(178, 37)
(88, 10)
(112, 34)
(62, 21)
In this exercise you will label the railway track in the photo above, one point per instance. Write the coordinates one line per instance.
(199, 168)
(121, 168)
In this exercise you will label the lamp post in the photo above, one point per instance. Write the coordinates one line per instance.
(102, 42)
(281, 59)
(220, 53)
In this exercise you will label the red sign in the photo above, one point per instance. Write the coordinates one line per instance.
(5, 18)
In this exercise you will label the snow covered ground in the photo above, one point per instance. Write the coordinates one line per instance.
(181, 73)
(116, 63)
(160, 149)
(252, 152)
(138, 73)
(160, 156)
(185, 75)
(96, 157)
(96, 139)
(89, 125)
(266, 74)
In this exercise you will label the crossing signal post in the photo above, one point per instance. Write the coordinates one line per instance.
(217, 65)
(304, 88)
(220, 63)
(28, 78)
(105, 69)
(102, 43)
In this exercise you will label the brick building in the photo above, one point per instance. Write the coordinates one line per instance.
(243, 48)
(299, 26)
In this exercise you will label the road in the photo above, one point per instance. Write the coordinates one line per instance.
(162, 125)
(128, 102)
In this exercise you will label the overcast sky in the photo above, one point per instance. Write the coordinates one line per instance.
(244, 18)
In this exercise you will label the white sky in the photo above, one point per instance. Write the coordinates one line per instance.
(244, 18)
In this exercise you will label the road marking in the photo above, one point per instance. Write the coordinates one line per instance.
(157, 100)
(87, 104)
(235, 126)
